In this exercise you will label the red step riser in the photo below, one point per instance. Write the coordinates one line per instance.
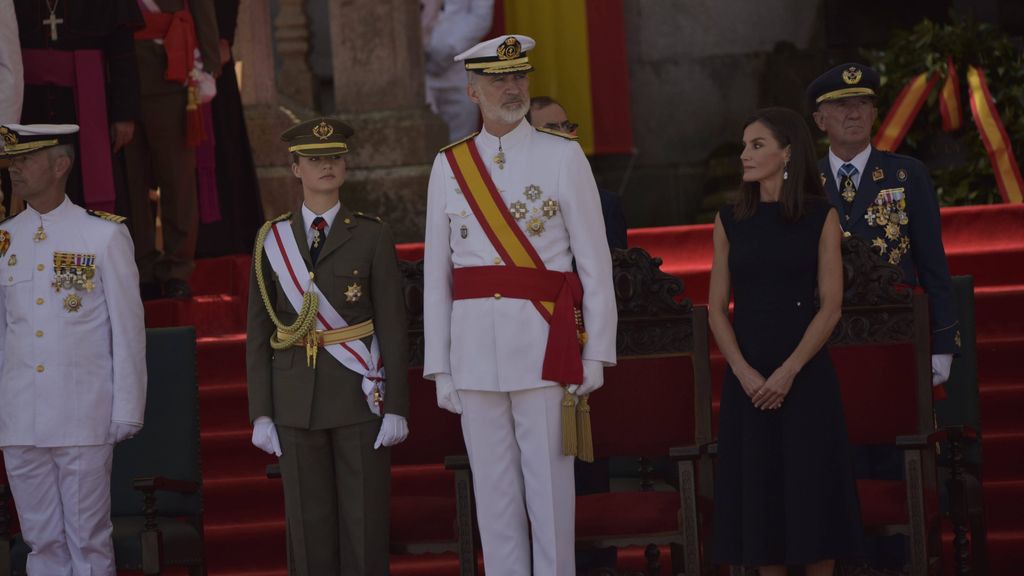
(1001, 407)
(1003, 456)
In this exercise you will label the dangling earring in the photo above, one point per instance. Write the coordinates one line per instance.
(785, 172)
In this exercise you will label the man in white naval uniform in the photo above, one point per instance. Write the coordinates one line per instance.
(449, 27)
(72, 356)
(486, 354)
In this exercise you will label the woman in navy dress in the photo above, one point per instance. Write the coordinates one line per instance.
(784, 489)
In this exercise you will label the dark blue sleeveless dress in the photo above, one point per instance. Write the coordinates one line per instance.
(784, 488)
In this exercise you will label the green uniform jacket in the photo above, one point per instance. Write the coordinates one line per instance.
(359, 250)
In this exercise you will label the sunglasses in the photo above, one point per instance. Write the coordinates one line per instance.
(566, 126)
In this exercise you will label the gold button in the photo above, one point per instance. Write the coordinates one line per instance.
(39, 333)
(39, 301)
(355, 272)
(39, 368)
(497, 296)
(348, 221)
(40, 267)
(847, 234)
(497, 259)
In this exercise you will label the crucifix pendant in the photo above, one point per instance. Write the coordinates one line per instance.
(499, 159)
(52, 22)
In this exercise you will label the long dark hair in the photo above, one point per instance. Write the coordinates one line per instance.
(804, 180)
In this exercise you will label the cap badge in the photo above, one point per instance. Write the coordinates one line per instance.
(323, 130)
(852, 75)
(510, 49)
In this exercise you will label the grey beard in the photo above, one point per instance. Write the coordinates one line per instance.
(504, 115)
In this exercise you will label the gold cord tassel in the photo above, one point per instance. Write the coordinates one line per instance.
(568, 424)
(584, 437)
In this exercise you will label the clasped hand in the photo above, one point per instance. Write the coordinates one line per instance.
(767, 394)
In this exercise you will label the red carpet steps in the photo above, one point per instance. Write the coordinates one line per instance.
(244, 510)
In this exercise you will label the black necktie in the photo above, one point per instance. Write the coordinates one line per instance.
(319, 237)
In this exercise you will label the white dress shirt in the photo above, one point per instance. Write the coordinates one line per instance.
(308, 216)
(860, 162)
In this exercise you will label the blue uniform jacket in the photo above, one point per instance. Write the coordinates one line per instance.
(897, 211)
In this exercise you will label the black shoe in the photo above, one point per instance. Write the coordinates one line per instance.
(177, 289)
(149, 290)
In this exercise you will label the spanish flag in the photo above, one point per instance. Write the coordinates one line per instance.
(580, 61)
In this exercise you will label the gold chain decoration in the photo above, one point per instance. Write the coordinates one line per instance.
(305, 325)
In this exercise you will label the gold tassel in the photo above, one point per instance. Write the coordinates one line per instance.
(584, 438)
(568, 424)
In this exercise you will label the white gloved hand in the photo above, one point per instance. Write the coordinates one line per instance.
(941, 364)
(264, 436)
(393, 430)
(593, 378)
(447, 395)
(120, 431)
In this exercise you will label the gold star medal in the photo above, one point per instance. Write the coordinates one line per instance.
(354, 292)
(518, 209)
(72, 302)
(550, 208)
(532, 192)
(40, 234)
(535, 227)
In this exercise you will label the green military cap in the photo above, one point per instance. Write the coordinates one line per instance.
(318, 137)
(17, 139)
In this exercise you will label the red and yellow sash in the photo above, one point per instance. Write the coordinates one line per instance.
(556, 295)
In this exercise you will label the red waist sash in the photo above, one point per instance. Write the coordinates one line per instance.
(178, 32)
(84, 72)
(562, 360)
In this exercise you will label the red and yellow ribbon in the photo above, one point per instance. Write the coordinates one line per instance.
(949, 100)
(904, 110)
(993, 133)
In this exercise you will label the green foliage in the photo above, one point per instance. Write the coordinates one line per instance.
(925, 49)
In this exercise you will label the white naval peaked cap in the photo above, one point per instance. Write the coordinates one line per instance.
(17, 139)
(502, 55)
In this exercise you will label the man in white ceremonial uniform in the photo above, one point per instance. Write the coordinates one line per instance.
(496, 257)
(72, 350)
(12, 79)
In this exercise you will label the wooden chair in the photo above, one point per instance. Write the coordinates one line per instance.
(156, 495)
(880, 312)
(658, 333)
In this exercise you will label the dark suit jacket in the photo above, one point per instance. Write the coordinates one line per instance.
(358, 250)
(924, 261)
(153, 58)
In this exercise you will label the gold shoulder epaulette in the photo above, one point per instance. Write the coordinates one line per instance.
(558, 133)
(457, 142)
(107, 216)
(369, 216)
(281, 218)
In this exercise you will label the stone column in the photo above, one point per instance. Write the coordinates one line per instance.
(379, 90)
(265, 118)
(291, 32)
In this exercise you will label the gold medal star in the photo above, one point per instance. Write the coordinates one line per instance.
(880, 244)
(354, 292)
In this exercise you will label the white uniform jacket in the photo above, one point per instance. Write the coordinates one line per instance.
(67, 370)
(498, 344)
(457, 27)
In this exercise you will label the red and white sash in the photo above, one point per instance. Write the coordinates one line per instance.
(282, 250)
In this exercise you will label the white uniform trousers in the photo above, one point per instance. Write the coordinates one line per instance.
(514, 440)
(63, 501)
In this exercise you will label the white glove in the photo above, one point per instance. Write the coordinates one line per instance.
(593, 378)
(447, 395)
(393, 430)
(120, 431)
(941, 364)
(264, 436)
